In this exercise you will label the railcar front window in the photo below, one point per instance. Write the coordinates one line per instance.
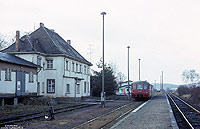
(134, 86)
(145, 86)
(139, 86)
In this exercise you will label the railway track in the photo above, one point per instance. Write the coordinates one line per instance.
(36, 115)
(186, 115)
(110, 118)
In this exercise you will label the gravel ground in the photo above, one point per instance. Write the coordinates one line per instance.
(109, 119)
(11, 111)
(71, 119)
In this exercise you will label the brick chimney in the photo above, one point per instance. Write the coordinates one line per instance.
(17, 40)
(41, 24)
(69, 42)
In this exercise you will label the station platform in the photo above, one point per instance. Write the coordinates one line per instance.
(156, 113)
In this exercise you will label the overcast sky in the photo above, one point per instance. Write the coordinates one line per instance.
(164, 34)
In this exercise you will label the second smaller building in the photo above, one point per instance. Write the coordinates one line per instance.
(18, 77)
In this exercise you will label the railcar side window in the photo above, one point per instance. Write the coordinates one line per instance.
(140, 86)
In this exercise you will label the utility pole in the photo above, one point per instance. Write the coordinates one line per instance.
(160, 83)
(103, 93)
(162, 80)
(155, 84)
(34, 26)
(90, 51)
(128, 75)
(139, 69)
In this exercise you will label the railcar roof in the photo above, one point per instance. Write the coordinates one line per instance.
(141, 82)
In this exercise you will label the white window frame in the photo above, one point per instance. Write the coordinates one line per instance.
(80, 68)
(73, 66)
(42, 87)
(51, 86)
(49, 63)
(8, 74)
(88, 70)
(31, 77)
(67, 65)
(39, 61)
(78, 89)
(0, 74)
(85, 69)
(88, 88)
(76, 67)
(85, 87)
(67, 88)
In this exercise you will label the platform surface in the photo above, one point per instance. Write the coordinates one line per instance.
(154, 114)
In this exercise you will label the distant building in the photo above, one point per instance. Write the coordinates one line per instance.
(123, 88)
(64, 73)
(17, 76)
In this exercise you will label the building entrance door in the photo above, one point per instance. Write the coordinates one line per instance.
(20, 83)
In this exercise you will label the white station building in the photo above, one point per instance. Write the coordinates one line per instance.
(63, 73)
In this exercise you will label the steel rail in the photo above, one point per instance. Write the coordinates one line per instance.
(187, 104)
(115, 119)
(37, 115)
(181, 113)
(101, 116)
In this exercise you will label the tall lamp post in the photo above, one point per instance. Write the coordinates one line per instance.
(128, 74)
(162, 81)
(139, 69)
(103, 93)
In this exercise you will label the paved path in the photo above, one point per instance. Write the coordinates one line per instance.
(154, 114)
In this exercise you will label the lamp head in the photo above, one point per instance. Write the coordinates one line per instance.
(103, 13)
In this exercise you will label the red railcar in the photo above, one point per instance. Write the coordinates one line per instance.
(141, 90)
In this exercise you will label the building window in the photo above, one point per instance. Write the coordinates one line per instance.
(78, 88)
(31, 77)
(76, 67)
(67, 65)
(88, 87)
(73, 66)
(50, 64)
(88, 70)
(42, 87)
(80, 69)
(84, 69)
(39, 61)
(8, 74)
(67, 88)
(85, 87)
(50, 85)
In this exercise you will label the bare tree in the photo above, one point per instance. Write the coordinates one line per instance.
(120, 77)
(190, 76)
(185, 76)
(3, 42)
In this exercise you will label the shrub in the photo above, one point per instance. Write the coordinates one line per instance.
(183, 90)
